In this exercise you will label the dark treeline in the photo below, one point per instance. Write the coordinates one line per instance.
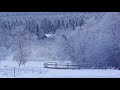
(16, 31)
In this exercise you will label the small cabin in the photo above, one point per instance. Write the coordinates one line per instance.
(48, 36)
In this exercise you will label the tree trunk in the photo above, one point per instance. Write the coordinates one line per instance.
(20, 64)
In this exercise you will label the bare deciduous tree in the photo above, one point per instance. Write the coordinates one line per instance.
(22, 49)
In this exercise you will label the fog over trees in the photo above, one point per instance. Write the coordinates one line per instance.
(90, 39)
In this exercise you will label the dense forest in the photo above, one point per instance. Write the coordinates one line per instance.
(91, 39)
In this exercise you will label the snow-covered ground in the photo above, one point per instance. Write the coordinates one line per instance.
(84, 73)
(35, 70)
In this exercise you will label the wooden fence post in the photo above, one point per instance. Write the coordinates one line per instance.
(14, 71)
(55, 65)
(67, 65)
(45, 65)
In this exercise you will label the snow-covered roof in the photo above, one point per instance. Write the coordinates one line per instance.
(49, 35)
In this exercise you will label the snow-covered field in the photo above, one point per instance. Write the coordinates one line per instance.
(35, 70)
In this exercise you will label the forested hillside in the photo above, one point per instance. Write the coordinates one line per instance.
(91, 39)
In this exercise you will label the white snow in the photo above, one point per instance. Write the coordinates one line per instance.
(35, 69)
(50, 35)
(83, 73)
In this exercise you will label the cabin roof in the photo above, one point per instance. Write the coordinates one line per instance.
(49, 35)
